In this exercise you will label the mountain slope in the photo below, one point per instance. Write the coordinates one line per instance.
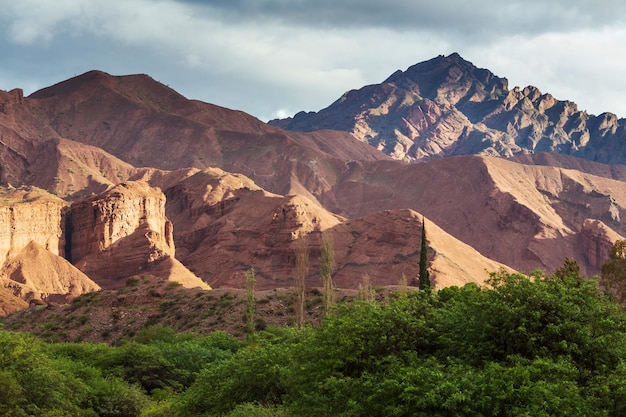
(139, 120)
(525, 216)
(230, 192)
(226, 224)
(446, 106)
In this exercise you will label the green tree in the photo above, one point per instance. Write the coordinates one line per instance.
(424, 275)
(613, 277)
(302, 268)
(327, 261)
(250, 301)
(366, 293)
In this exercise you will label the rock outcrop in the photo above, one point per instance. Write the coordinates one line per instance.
(597, 240)
(386, 245)
(9, 303)
(28, 215)
(32, 249)
(35, 273)
(227, 224)
(125, 232)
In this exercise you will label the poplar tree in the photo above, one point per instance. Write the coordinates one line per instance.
(302, 268)
(327, 261)
(424, 275)
(250, 301)
(365, 289)
(613, 277)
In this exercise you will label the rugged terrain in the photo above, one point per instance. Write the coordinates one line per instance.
(447, 106)
(107, 180)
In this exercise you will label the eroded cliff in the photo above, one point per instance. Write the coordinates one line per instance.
(124, 232)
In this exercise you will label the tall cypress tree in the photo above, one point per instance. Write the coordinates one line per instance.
(424, 277)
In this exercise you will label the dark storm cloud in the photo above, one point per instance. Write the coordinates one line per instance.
(447, 17)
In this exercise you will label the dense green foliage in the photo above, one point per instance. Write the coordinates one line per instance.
(522, 346)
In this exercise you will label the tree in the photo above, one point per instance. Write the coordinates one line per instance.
(302, 267)
(326, 268)
(613, 277)
(250, 301)
(365, 289)
(424, 275)
(403, 284)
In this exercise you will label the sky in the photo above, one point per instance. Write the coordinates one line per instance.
(273, 58)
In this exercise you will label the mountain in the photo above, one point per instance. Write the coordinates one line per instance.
(119, 179)
(228, 224)
(447, 106)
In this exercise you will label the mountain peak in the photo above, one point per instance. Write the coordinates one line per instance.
(77, 83)
(96, 80)
(447, 106)
(436, 77)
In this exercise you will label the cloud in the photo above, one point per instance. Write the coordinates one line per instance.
(580, 66)
(266, 56)
(446, 17)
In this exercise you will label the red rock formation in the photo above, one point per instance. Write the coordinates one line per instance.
(30, 214)
(63, 139)
(597, 241)
(124, 232)
(35, 273)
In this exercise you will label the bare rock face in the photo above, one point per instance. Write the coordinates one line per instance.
(121, 233)
(28, 215)
(35, 273)
(32, 247)
(225, 224)
(597, 240)
(9, 303)
(446, 106)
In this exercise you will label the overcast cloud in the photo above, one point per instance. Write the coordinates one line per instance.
(276, 57)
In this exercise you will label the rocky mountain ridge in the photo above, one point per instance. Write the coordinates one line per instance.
(447, 106)
(136, 180)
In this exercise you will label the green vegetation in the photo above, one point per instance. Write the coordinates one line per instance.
(327, 263)
(424, 275)
(250, 301)
(521, 346)
(302, 268)
(613, 276)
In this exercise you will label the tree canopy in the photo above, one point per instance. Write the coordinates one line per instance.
(520, 346)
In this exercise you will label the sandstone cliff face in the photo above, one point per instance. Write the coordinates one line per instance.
(32, 246)
(31, 215)
(226, 224)
(124, 232)
(597, 240)
(99, 222)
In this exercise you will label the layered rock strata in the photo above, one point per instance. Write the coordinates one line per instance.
(125, 232)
